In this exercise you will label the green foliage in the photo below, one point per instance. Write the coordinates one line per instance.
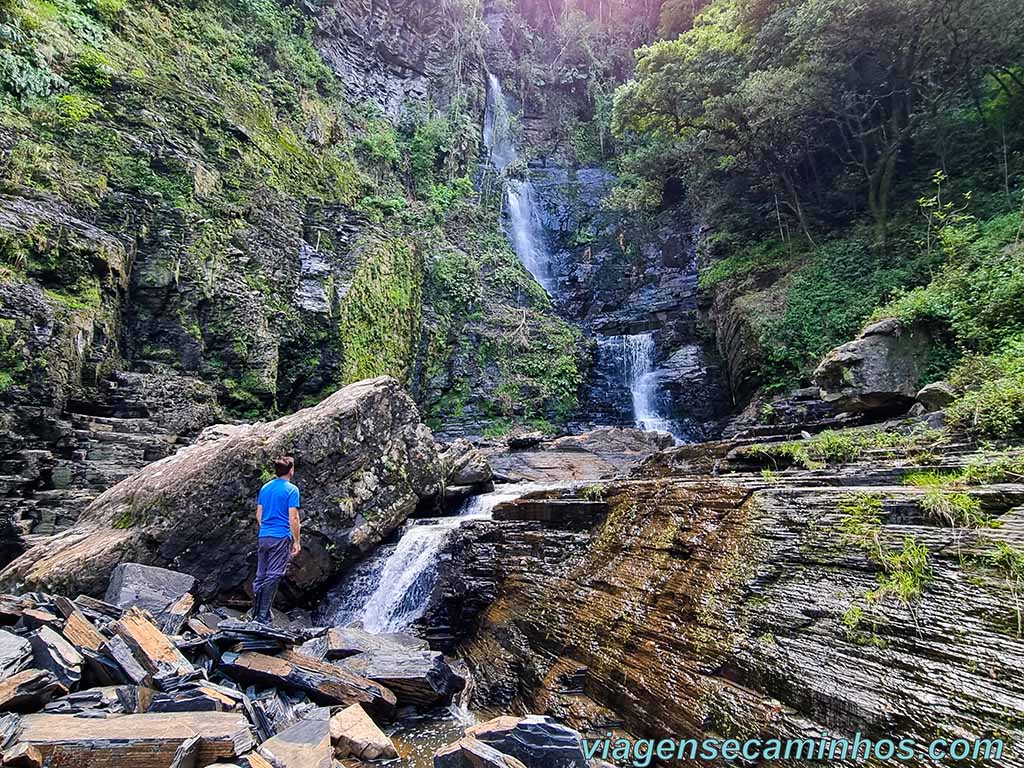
(381, 315)
(955, 508)
(106, 10)
(593, 492)
(992, 403)
(907, 574)
(845, 446)
(93, 70)
(13, 366)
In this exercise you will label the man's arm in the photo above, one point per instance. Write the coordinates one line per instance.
(293, 523)
(259, 514)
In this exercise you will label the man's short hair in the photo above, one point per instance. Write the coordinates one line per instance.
(283, 465)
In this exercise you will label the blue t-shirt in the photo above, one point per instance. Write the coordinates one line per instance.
(276, 497)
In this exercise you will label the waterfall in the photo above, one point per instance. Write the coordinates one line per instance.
(637, 354)
(388, 591)
(523, 224)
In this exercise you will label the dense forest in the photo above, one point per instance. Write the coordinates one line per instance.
(866, 157)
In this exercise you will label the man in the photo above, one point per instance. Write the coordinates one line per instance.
(277, 513)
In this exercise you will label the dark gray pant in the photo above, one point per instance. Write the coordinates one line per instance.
(272, 559)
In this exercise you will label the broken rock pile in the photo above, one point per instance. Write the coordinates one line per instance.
(148, 678)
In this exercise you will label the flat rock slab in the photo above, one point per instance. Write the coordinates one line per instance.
(420, 678)
(537, 741)
(147, 587)
(139, 741)
(15, 654)
(324, 682)
(307, 744)
(343, 642)
(355, 734)
(29, 690)
(52, 652)
(472, 753)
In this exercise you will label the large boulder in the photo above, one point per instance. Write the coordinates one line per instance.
(420, 678)
(364, 461)
(537, 741)
(468, 752)
(880, 370)
(148, 587)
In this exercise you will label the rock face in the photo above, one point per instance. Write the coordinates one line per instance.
(880, 370)
(365, 459)
(601, 453)
(741, 605)
(150, 588)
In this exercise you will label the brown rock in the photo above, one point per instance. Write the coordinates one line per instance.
(22, 756)
(151, 647)
(78, 630)
(324, 682)
(28, 691)
(146, 741)
(355, 734)
(307, 744)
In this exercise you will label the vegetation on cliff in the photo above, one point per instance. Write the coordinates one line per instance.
(847, 156)
(283, 234)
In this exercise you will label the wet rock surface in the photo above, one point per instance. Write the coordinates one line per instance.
(601, 453)
(739, 603)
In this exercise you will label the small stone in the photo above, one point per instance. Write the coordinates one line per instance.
(936, 396)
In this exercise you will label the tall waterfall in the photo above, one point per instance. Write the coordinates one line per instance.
(389, 591)
(523, 223)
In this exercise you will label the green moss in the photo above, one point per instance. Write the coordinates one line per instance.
(380, 316)
(13, 366)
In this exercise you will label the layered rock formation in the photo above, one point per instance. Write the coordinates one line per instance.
(364, 463)
(753, 604)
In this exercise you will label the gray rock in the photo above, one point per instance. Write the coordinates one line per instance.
(364, 462)
(466, 464)
(419, 678)
(936, 396)
(537, 741)
(50, 651)
(878, 371)
(15, 654)
(343, 642)
(147, 587)
(471, 753)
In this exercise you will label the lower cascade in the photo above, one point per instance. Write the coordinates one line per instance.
(388, 591)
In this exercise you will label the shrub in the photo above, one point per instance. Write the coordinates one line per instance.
(93, 70)
(992, 403)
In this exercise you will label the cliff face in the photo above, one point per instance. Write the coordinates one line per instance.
(225, 210)
(733, 606)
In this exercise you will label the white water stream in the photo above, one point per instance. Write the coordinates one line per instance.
(523, 223)
(389, 590)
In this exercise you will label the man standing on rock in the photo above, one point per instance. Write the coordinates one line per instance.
(277, 513)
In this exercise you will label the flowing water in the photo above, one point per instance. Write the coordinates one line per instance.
(388, 591)
(523, 222)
